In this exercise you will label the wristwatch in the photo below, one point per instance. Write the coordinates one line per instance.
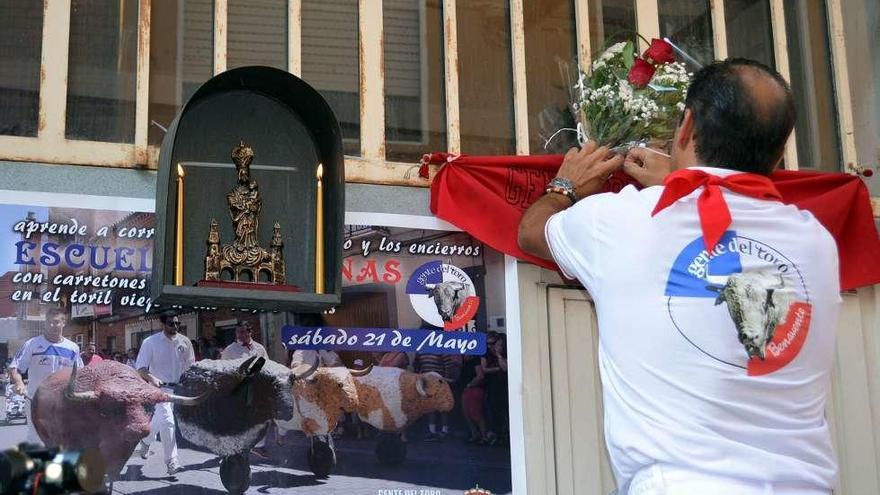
(563, 186)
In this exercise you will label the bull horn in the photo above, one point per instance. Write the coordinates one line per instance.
(243, 369)
(420, 386)
(256, 367)
(307, 373)
(182, 400)
(361, 372)
(72, 394)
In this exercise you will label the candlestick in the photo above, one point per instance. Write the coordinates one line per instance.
(178, 240)
(319, 233)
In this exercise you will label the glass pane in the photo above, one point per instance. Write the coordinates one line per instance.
(551, 59)
(486, 79)
(330, 57)
(809, 59)
(611, 21)
(749, 30)
(257, 33)
(415, 84)
(181, 57)
(688, 23)
(21, 41)
(101, 82)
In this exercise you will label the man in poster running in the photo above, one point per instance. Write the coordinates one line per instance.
(163, 358)
(41, 356)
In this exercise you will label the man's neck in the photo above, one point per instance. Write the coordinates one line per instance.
(168, 334)
(55, 339)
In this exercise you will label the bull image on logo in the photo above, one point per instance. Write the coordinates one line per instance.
(443, 295)
(103, 406)
(758, 303)
(448, 297)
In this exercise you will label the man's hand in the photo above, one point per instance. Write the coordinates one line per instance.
(19, 388)
(588, 168)
(647, 166)
(150, 378)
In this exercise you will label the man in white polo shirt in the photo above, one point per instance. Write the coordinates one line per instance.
(163, 357)
(41, 356)
(244, 345)
(717, 303)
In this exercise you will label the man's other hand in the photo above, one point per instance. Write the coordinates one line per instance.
(588, 168)
(19, 388)
(647, 166)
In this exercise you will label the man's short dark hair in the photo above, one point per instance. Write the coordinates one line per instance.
(54, 311)
(165, 318)
(733, 127)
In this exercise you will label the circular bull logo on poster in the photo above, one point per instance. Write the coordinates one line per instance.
(751, 296)
(443, 295)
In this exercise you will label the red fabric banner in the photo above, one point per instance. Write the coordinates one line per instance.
(487, 195)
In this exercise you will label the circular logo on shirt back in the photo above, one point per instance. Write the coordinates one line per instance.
(443, 295)
(749, 292)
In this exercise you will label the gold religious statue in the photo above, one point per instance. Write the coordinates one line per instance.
(245, 260)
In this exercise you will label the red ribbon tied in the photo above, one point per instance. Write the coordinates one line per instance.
(713, 210)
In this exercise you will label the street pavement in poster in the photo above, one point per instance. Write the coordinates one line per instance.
(431, 468)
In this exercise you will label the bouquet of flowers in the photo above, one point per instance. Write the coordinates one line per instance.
(625, 100)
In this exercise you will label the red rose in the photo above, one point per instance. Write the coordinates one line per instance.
(660, 52)
(641, 73)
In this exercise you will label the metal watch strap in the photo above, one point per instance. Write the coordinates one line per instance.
(565, 187)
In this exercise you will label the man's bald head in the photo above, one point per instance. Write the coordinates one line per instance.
(743, 114)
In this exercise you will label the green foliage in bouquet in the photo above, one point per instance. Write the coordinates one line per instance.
(625, 99)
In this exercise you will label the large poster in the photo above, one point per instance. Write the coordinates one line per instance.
(425, 311)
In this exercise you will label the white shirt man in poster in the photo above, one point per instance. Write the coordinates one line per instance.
(717, 303)
(41, 356)
(244, 346)
(162, 359)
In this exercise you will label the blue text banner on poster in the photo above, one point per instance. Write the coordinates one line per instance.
(383, 339)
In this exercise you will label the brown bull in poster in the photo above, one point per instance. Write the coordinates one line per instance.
(103, 406)
(391, 398)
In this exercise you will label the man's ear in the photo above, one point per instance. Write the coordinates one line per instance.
(686, 129)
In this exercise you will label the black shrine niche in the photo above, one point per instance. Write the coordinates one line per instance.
(283, 129)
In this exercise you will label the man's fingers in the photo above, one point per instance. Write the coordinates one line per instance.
(571, 152)
(588, 148)
(612, 164)
(598, 154)
(638, 154)
(634, 170)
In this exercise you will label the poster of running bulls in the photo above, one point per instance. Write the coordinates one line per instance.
(414, 358)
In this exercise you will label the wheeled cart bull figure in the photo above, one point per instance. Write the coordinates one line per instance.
(246, 394)
(391, 399)
(104, 406)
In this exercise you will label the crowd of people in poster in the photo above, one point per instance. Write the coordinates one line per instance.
(74, 289)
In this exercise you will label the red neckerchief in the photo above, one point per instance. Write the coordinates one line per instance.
(248, 345)
(714, 213)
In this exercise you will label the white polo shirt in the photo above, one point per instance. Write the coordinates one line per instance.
(679, 386)
(166, 358)
(237, 350)
(39, 357)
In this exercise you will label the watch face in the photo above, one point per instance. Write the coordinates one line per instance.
(562, 182)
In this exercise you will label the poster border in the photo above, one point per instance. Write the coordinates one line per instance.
(82, 201)
(514, 336)
(511, 289)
